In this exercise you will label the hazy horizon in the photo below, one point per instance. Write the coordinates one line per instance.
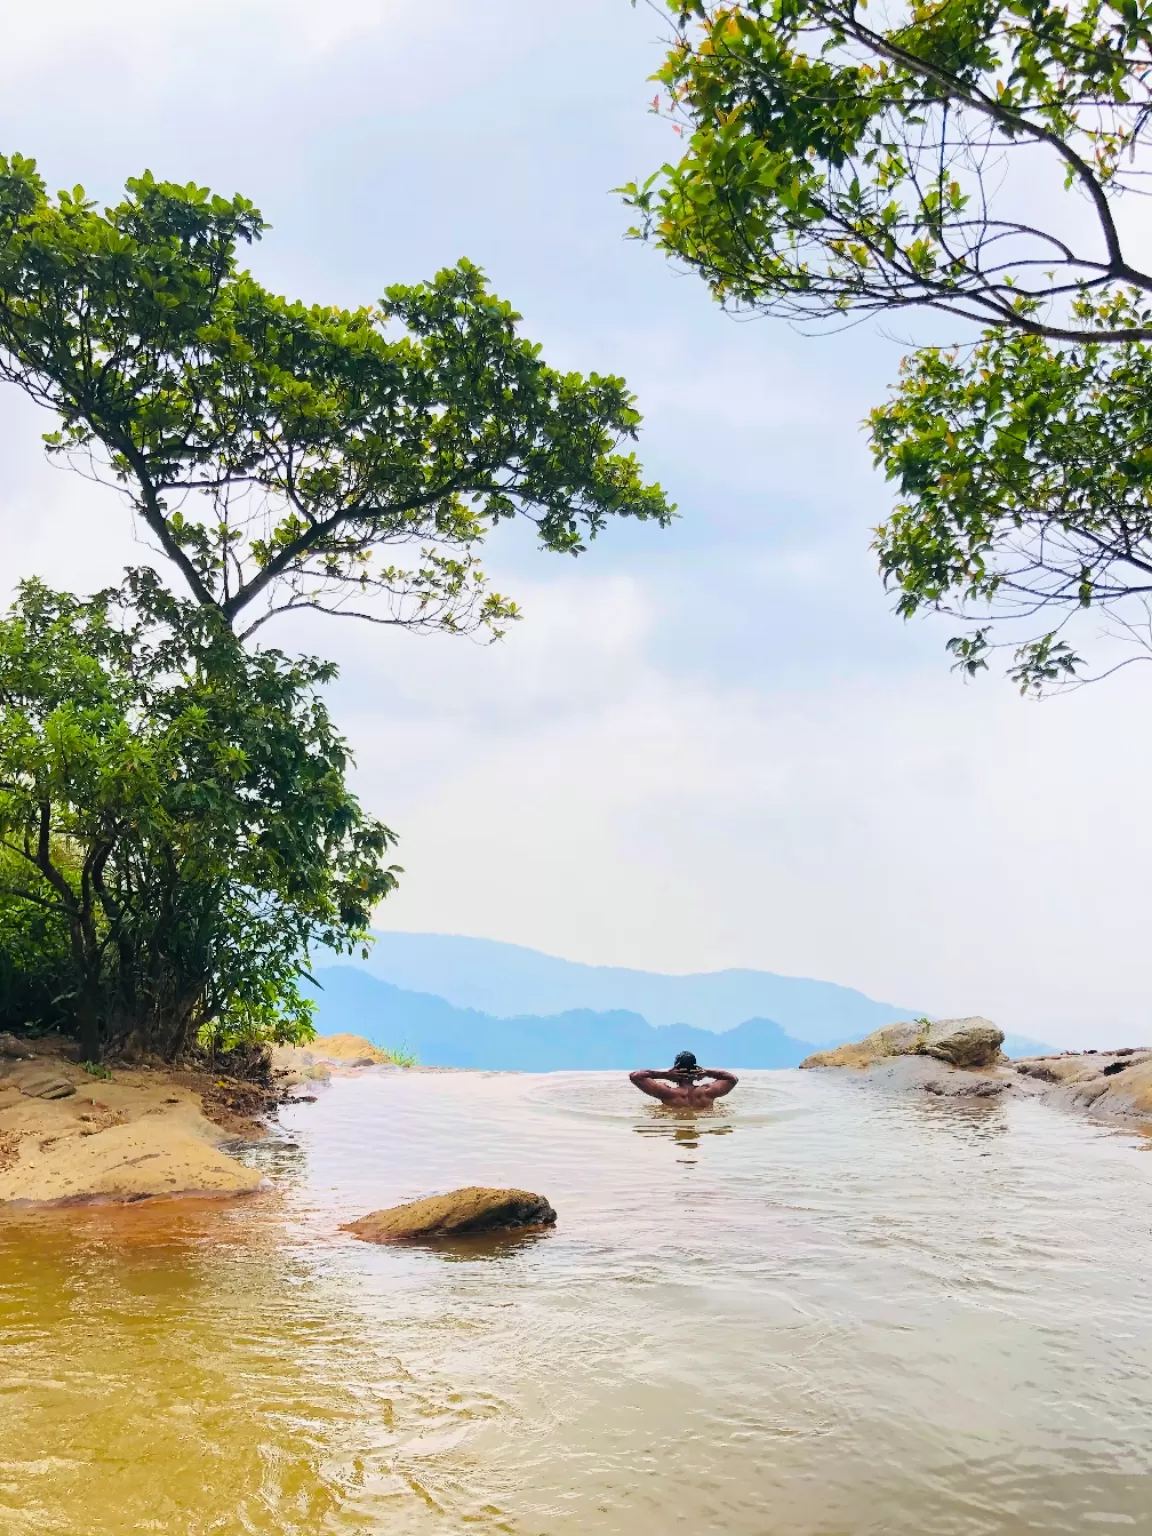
(493, 980)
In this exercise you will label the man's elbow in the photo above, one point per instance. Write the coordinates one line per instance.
(639, 1077)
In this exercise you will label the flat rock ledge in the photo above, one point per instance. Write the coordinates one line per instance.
(462, 1213)
(67, 1138)
(1108, 1085)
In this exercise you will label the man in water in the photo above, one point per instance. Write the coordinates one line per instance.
(681, 1088)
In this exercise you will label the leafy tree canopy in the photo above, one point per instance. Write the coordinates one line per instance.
(177, 807)
(1025, 474)
(837, 162)
(278, 452)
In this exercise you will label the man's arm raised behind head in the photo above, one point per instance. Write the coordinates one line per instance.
(723, 1082)
(652, 1083)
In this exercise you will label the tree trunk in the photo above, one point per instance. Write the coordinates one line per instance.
(88, 1020)
(184, 1022)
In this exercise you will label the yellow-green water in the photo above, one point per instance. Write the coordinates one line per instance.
(818, 1312)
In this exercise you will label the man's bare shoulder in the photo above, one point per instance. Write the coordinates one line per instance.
(682, 1085)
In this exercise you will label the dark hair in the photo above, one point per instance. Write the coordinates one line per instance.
(685, 1062)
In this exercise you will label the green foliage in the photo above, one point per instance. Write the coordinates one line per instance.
(178, 806)
(401, 1057)
(36, 979)
(1025, 472)
(838, 162)
(277, 451)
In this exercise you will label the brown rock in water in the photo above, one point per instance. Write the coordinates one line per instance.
(972, 1042)
(458, 1214)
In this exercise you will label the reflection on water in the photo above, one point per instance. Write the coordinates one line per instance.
(814, 1311)
(684, 1126)
(486, 1245)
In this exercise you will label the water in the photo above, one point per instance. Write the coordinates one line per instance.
(815, 1312)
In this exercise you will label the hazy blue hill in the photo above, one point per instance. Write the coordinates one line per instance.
(475, 1003)
(507, 980)
(443, 1035)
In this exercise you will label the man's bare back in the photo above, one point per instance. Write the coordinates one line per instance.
(681, 1088)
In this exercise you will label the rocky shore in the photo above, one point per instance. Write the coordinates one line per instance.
(961, 1058)
(141, 1132)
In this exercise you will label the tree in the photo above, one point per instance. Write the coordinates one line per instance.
(276, 452)
(1026, 481)
(837, 163)
(36, 977)
(177, 806)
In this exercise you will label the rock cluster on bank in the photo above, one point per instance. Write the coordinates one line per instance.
(961, 1058)
(969, 1043)
(316, 1061)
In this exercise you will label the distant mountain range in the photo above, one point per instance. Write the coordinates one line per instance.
(507, 980)
(462, 1002)
(442, 1035)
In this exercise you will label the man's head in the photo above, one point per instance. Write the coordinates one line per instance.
(685, 1062)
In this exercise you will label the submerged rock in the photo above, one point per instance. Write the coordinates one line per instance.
(972, 1042)
(458, 1214)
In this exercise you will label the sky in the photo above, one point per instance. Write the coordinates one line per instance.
(709, 746)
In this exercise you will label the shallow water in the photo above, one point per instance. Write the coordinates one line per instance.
(816, 1311)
